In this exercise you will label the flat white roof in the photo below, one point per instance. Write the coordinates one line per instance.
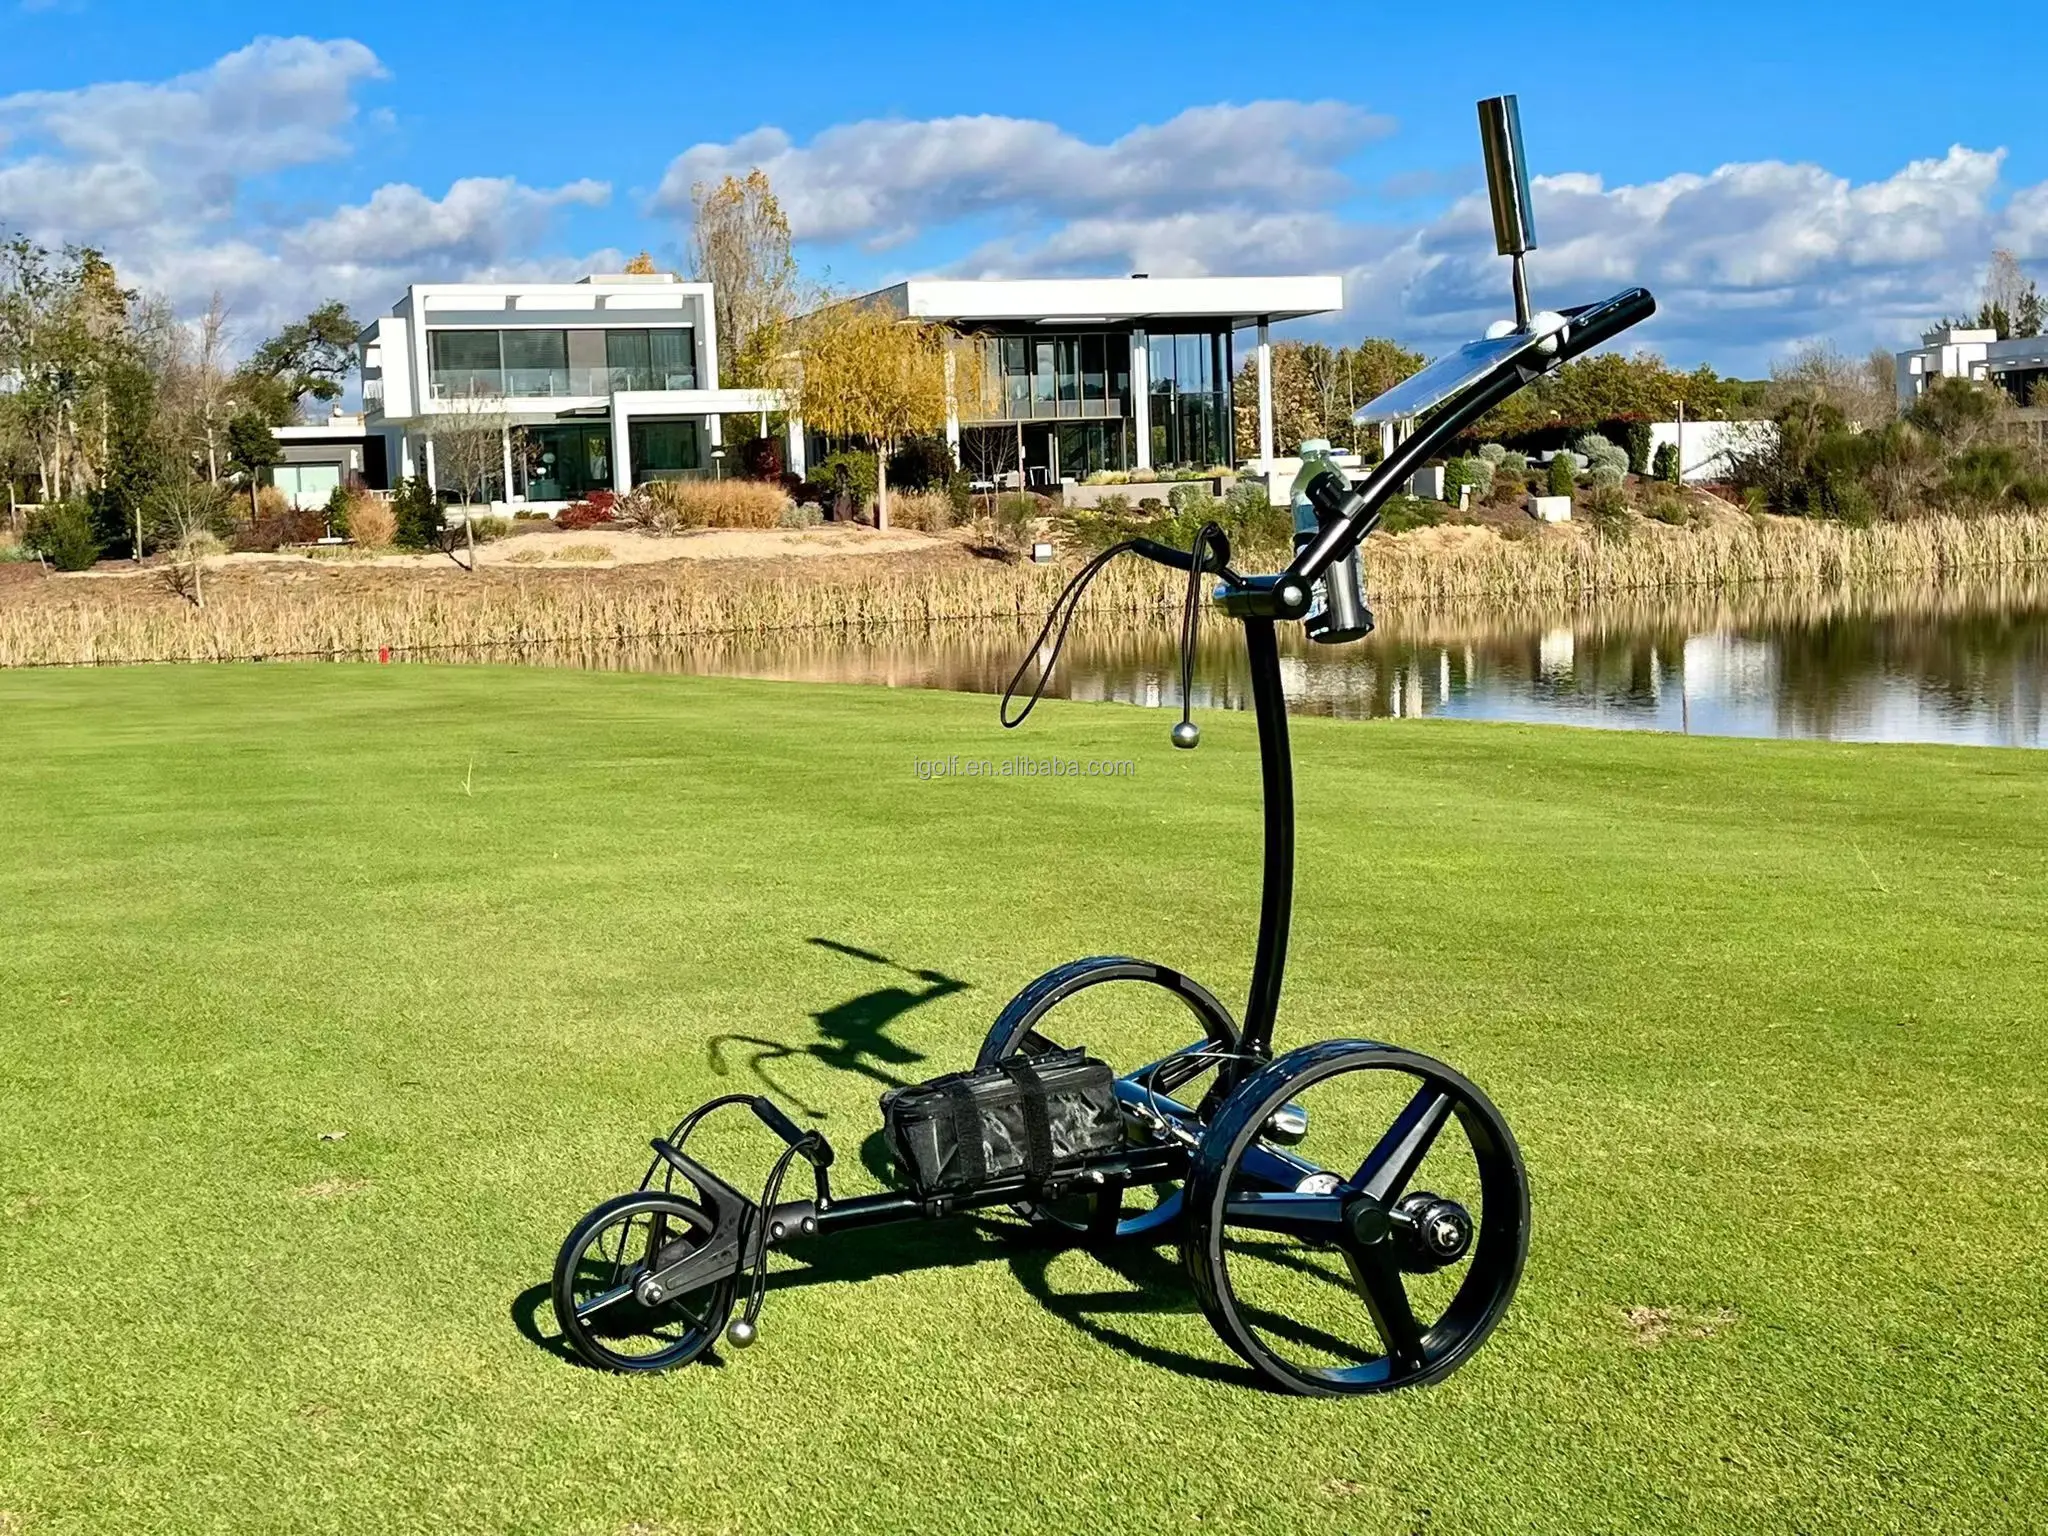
(1074, 301)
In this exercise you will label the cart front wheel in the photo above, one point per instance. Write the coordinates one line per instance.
(604, 1312)
(1378, 1248)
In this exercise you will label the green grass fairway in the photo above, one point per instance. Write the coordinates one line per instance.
(1768, 1019)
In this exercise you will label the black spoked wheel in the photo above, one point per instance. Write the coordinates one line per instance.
(1378, 1249)
(601, 1313)
(1148, 1097)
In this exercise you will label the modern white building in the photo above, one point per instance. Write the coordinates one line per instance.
(2020, 366)
(1082, 375)
(609, 382)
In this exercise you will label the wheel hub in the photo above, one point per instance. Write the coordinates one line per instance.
(1434, 1231)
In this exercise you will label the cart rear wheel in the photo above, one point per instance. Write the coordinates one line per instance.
(596, 1303)
(1380, 1249)
(1017, 1032)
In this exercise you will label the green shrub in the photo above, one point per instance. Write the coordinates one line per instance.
(1636, 440)
(1564, 478)
(1606, 476)
(1474, 472)
(1665, 467)
(1014, 517)
(487, 528)
(1403, 513)
(1605, 508)
(802, 514)
(856, 467)
(1667, 507)
(62, 534)
(417, 511)
(1512, 467)
(1598, 452)
(1493, 453)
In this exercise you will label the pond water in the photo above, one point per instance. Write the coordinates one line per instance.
(1965, 664)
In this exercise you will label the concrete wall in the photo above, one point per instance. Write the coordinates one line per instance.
(1709, 446)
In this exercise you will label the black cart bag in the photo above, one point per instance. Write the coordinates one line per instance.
(1029, 1115)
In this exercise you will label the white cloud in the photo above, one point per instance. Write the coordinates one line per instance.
(1743, 258)
(480, 220)
(156, 172)
(884, 181)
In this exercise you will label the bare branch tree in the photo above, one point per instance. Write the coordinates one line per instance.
(469, 436)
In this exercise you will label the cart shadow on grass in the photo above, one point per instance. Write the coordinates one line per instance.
(853, 1035)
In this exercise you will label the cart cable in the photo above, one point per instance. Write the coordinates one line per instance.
(771, 1191)
(1210, 553)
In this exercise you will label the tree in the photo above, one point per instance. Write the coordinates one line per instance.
(251, 450)
(469, 437)
(739, 242)
(866, 374)
(1563, 477)
(2012, 304)
(1316, 390)
(311, 357)
(641, 266)
(188, 515)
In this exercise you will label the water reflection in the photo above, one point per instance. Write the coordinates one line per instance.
(1965, 663)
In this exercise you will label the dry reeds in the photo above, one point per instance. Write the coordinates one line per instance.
(371, 523)
(79, 620)
(677, 505)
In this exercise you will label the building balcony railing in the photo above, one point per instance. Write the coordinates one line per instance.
(989, 412)
(553, 383)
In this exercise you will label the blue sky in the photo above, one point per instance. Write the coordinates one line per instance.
(1775, 172)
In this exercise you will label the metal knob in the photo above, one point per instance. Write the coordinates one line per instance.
(1187, 735)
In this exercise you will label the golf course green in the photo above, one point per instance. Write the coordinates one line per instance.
(330, 996)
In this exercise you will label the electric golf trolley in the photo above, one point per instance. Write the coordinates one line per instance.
(1404, 1283)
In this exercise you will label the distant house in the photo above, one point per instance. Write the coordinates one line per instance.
(2019, 366)
(1092, 374)
(610, 382)
(314, 459)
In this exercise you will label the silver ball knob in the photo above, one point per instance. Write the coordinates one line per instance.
(1187, 735)
(741, 1334)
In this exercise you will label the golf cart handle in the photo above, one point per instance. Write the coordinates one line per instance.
(1213, 559)
(1480, 376)
(809, 1144)
(1348, 518)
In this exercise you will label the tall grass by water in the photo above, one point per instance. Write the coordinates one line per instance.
(92, 620)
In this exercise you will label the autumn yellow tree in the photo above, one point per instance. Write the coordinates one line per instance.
(739, 243)
(864, 372)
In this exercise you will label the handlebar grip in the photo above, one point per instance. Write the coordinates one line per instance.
(1214, 560)
(809, 1143)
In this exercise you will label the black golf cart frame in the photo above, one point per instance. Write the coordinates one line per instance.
(1227, 1157)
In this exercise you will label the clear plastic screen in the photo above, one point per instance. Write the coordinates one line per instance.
(1443, 378)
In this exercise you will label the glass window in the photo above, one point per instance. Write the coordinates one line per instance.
(627, 350)
(1161, 365)
(458, 350)
(1091, 368)
(663, 450)
(1190, 355)
(1070, 373)
(672, 355)
(1042, 375)
(536, 349)
(1119, 357)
